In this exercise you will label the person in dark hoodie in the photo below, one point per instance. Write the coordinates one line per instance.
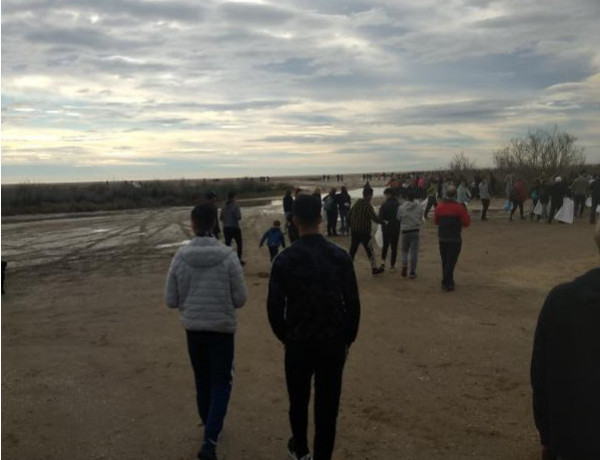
(231, 216)
(330, 205)
(274, 238)
(344, 202)
(288, 204)
(565, 370)
(388, 214)
(595, 195)
(211, 197)
(314, 310)
(450, 217)
(558, 191)
(206, 283)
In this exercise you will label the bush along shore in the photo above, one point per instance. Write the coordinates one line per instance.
(111, 196)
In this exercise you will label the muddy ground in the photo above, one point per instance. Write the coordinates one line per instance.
(94, 366)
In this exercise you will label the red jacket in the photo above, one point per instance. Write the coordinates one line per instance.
(450, 216)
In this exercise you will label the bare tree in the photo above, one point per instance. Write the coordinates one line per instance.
(541, 153)
(461, 165)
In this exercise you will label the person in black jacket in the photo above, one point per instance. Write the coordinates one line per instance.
(565, 370)
(314, 309)
(388, 213)
(595, 195)
(558, 191)
(288, 204)
(211, 197)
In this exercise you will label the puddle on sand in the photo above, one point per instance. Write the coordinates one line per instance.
(354, 193)
(171, 245)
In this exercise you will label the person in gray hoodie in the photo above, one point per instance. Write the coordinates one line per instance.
(206, 283)
(410, 214)
(231, 216)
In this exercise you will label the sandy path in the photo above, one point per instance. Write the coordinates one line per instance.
(94, 365)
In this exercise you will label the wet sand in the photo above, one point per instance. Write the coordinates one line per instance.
(95, 366)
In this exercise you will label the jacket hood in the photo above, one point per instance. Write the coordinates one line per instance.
(205, 252)
(411, 205)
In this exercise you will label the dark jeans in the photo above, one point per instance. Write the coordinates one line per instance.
(579, 205)
(514, 208)
(486, 204)
(533, 205)
(366, 240)
(449, 250)
(343, 223)
(234, 233)
(555, 205)
(332, 217)
(273, 251)
(211, 354)
(325, 360)
(391, 236)
(431, 202)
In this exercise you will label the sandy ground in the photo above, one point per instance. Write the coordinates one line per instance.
(95, 366)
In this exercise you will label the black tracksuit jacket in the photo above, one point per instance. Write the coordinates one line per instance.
(565, 369)
(313, 294)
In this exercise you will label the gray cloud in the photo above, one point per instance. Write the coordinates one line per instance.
(354, 78)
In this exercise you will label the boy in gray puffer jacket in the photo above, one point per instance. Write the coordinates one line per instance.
(206, 283)
(410, 214)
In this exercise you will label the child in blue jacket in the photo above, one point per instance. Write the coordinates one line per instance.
(274, 238)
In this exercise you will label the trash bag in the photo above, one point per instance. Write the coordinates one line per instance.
(379, 236)
(566, 212)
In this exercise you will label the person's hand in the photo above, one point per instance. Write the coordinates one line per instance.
(547, 454)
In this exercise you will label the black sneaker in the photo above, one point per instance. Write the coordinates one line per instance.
(208, 451)
(412, 275)
(242, 263)
(292, 452)
(377, 271)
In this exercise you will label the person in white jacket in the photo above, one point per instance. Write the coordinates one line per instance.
(410, 214)
(206, 283)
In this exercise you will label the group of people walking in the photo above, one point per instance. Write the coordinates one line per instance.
(313, 303)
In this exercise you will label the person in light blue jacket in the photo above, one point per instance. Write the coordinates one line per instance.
(206, 283)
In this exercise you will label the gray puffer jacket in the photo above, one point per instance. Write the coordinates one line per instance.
(206, 283)
(410, 214)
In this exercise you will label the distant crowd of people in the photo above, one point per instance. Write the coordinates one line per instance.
(313, 302)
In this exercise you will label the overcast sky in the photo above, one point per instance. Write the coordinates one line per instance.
(107, 89)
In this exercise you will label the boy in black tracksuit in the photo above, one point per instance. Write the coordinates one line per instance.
(565, 375)
(314, 309)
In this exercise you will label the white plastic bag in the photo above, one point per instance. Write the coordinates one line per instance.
(379, 236)
(566, 212)
(538, 208)
(588, 202)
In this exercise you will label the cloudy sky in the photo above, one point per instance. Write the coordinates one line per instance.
(109, 89)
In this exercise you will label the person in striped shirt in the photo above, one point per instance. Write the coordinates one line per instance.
(360, 217)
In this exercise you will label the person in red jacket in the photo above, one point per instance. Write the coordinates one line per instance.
(450, 217)
(518, 196)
